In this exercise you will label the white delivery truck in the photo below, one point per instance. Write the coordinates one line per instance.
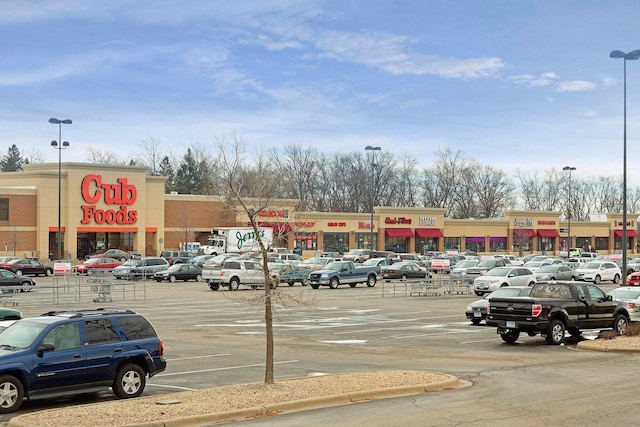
(236, 240)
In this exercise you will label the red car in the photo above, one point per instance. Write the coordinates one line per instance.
(91, 265)
(27, 266)
(634, 279)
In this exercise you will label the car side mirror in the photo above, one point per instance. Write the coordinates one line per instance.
(45, 348)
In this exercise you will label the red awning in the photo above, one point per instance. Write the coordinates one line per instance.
(398, 232)
(630, 233)
(524, 233)
(548, 233)
(428, 232)
(278, 227)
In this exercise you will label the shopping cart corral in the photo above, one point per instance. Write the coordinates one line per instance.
(426, 287)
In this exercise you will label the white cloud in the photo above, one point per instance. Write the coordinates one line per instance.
(575, 86)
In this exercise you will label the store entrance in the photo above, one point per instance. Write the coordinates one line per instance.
(91, 243)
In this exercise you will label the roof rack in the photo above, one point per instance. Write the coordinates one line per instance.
(87, 312)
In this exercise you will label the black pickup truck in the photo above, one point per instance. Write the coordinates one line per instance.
(555, 307)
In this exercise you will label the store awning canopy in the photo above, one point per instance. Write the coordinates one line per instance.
(548, 233)
(428, 232)
(398, 232)
(630, 233)
(278, 227)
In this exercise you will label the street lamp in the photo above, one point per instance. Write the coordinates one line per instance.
(373, 185)
(633, 55)
(569, 168)
(59, 145)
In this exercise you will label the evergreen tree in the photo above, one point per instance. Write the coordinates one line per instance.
(13, 161)
(187, 179)
(166, 169)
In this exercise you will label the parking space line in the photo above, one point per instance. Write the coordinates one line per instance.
(199, 357)
(221, 369)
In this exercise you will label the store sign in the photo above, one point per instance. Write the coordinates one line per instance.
(271, 213)
(540, 222)
(120, 195)
(425, 221)
(336, 224)
(365, 225)
(399, 220)
(518, 222)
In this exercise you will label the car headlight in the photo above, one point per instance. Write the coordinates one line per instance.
(324, 275)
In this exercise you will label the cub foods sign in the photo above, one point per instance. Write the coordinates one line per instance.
(118, 196)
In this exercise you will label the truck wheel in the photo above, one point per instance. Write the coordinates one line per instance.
(620, 324)
(234, 284)
(214, 286)
(12, 394)
(371, 281)
(315, 286)
(305, 281)
(555, 332)
(333, 284)
(353, 285)
(510, 337)
(129, 381)
(616, 279)
(597, 280)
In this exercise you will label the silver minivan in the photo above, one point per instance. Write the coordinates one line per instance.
(142, 268)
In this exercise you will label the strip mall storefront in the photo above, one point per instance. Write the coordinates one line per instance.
(108, 206)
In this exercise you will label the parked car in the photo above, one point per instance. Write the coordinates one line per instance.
(10, 314)
(118, 254)
(631, 296)
(403, 270)
(235, 272)
(535, 265)
(24, 266)
(71, 352)
(199, 260)
(4, 259)
(483, 267)
(372, 262)
(459, 272)
(140, 268)
(8, 278)
(514, 260)
(177, 257)
(634, 279)
(503, 276)
(289, 258)
(597, 271)
(476, 312)
(631, 267)
(95, 265)
(357, 255)
(179, 272)
(555, 272)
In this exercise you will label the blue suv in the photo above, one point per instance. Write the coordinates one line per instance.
(68, 352)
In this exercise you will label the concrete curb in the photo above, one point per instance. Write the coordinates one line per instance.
(590, 346)
(294, 406)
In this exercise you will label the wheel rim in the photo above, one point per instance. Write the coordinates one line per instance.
(172, 278)
(557, 333)
(8, 395)
(131, 382)
(621, 326)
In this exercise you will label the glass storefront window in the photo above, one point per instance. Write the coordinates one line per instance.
(363, 241)
(497, 244)
(452, 243)
(396, 244)
(546, 243)
(427, 244)
(602, 244)
(306, 241)
(584, 243)
(336, 242)
(474, 244)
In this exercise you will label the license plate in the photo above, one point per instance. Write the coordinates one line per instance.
(477, 313)
(511, 324)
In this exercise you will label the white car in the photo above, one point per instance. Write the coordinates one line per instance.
(631, 296)
(503, 276)
(534, 265)
(598, 271)
(514, 260)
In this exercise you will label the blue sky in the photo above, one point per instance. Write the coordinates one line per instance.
(520, 85)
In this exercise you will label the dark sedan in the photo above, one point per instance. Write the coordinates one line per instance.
(179, 272)
(403, 270)
(27, 266)
(477, 311)
(15, 282)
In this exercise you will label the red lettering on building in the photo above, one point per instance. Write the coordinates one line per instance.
(546, 222)
(399, 220)
(122, 193)
(337, 224)
(271, 213)
(305, 223)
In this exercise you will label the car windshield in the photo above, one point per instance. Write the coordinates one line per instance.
(625, 294)
(547, 269)
(487, 263)
(131, 263)
(591, 266)
(21, 334)
(498, 271)
(466, 263)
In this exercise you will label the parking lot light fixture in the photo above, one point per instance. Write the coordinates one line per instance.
(373, 188)
(59, 145)
(630, 56)
(569, 168)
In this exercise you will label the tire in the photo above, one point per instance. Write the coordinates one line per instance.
(234, 284)
(510, 337)
(48, 272)
(18, 272)
(475, 321)
(129, 381)
(291, 283)
(353, 285)
(597, 280)
(172, 278)
(404, 277)
(315, 286)
(333, 284)
(371, 281)
(620, 323)
(214, 286)
(198, 277)
(11, 392)
(123, 260)
(555, 332)
(158, 280)
(305, 281)
(478, 293)
(616, 279)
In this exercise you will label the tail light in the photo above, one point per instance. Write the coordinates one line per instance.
(161, 348)
(536, 309)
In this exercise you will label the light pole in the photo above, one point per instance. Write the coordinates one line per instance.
(373, 185)
(59, 145)
(569, 168)
(633, 55)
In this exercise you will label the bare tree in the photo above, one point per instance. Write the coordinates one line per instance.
(103, 157)
(494, 191)
(151, 156)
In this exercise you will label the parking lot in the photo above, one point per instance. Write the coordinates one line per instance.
(217, 338)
